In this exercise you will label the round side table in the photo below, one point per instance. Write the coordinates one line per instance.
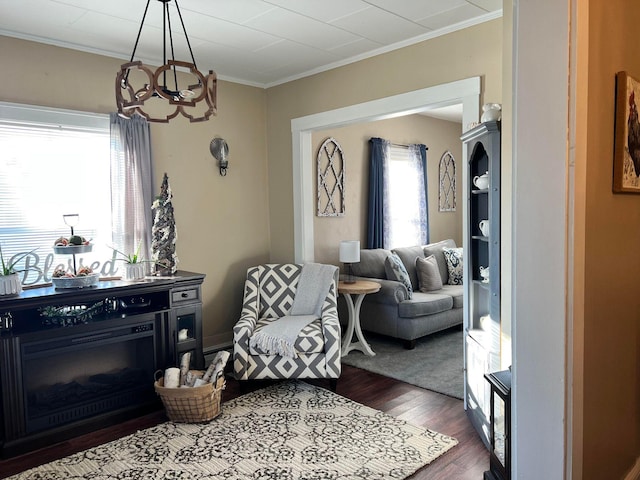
(358, 290)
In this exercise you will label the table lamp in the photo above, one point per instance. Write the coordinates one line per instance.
(349, 253)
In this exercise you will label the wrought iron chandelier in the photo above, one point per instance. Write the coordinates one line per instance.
(140, 89)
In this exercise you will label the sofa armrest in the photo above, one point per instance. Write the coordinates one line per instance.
(391, 292)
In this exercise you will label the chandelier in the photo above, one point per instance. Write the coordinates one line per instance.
(157, 94)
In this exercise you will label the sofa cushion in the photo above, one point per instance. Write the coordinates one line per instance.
(456, 292)
(454, 265)
(425, 304)
(429, 277)
(435, 249)
(408, 256)
(371, 263)
(395, 270)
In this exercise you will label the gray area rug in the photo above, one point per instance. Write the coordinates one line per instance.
(288, 431)
(435, 364)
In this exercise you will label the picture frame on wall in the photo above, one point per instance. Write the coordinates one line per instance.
(626, 156)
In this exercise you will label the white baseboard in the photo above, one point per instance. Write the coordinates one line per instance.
(634, 474)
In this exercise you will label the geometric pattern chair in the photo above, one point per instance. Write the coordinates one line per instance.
(269, 292)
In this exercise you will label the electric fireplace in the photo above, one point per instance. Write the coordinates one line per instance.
(72, 361)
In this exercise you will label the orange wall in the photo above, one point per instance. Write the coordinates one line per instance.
(607, 273)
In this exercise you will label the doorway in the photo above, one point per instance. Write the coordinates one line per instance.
(466, 92)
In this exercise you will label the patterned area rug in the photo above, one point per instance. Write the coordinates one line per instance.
(288, 431)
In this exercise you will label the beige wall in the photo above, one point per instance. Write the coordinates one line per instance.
(227, 224)
(606, 354)
(222, 222)
(438, 135)
(475, 51)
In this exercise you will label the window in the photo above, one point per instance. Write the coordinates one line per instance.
(54, 162)
(406, 197)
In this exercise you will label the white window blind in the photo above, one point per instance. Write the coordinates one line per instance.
(53, 162)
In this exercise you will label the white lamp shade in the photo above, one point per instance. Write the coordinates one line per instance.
(350, 251)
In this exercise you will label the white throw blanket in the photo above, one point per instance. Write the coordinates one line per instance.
(279, 337)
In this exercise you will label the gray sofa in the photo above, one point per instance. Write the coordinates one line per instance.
(390, 311)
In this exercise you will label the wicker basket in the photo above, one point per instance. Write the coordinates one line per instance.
(192, 405)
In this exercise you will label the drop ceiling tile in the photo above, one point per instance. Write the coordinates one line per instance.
(39, 22)
(380, 26)
(236, 11)
(294, 52)
(227, 33)
(416, 9)
(326, 10)
(214, 56)
(298, 28)
(359, 47)
(451, 17)
(127, 9)
(488, 5)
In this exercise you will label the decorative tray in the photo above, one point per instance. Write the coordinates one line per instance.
(71, 249)
(75, 282)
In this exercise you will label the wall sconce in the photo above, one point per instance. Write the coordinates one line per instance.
(349, 253)
(220, 150)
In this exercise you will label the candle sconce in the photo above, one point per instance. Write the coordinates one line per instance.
(220, 151)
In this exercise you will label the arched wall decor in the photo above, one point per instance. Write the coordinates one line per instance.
(330, 167)
(447, 183)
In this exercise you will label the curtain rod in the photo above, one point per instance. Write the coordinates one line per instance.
(402, 145)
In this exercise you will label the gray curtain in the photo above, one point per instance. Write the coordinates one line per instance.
(131, 174)
(418, 154)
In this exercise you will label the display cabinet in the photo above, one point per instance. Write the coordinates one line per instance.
(185, 331)
(482, 269)
(500, 432)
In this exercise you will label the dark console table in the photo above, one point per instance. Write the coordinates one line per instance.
(73, 360)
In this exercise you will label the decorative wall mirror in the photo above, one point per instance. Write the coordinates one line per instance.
(331, 168)
(447, 183)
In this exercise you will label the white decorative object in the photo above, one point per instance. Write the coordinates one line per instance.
(172, 377)
(491, 112)
(183, 335)
(134, 271)
(484, 227)
(484, 273)
(163, 231)
(81, 281)
(349, 253)
(10, 284)
(482, 181)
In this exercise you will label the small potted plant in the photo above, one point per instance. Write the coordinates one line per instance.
(10, 283)
(135, 267)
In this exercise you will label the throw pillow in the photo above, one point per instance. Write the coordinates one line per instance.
(453, 256)
(394, 269)
(428, 274)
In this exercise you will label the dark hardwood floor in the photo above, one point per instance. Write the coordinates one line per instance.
(467, 461)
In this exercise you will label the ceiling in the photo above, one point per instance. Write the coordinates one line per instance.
(255, 42)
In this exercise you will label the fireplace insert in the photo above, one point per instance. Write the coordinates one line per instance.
(71, 377)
